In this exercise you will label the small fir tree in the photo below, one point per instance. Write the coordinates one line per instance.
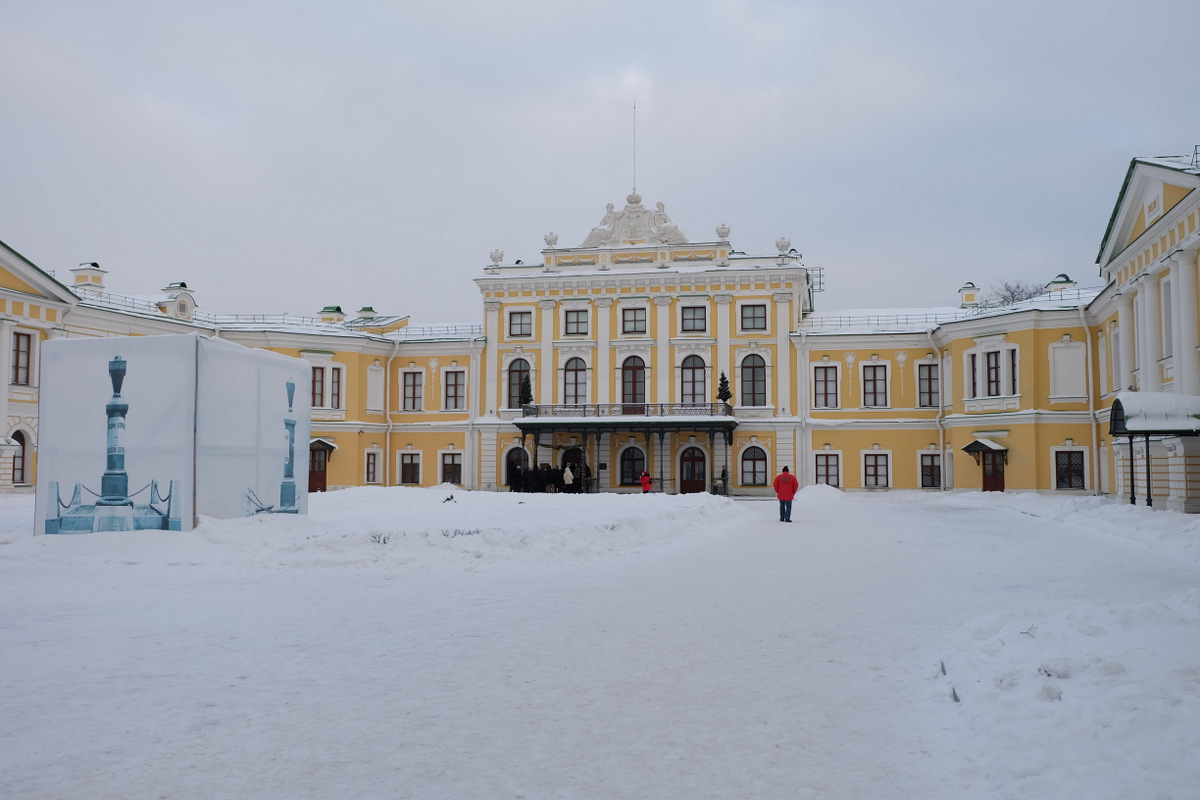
(526, 391)
(723, 393)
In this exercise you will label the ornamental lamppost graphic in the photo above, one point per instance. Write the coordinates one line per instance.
(114, 484)
(287, 490)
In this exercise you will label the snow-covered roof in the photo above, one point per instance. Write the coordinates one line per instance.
(1155, 412)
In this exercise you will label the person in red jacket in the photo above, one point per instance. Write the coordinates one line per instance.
(645, 482)
(785, 489)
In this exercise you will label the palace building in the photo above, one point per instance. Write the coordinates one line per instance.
(641, 349)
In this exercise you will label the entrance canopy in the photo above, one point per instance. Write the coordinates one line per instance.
(1155, 414)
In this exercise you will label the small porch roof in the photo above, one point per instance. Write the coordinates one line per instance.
(1155, 414)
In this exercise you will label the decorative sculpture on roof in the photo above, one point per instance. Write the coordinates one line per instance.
(634, 224)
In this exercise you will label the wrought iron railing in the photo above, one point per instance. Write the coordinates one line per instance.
(629, 410)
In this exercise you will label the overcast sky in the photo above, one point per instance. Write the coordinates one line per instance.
(283, 156)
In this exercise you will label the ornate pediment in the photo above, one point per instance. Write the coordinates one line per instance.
(634, 224)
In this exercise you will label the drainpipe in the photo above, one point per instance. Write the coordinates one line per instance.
(805, 434)
(1091, 393)
(937, 351)
(387, 409)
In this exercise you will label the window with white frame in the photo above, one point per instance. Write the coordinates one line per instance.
(633, 463)
(931, 470)
(992, 370)
(1069, 469)
(754, 466)
(455, 396)
(518, 373)
(874, 381)
(825, 386)
(520, 323)
(318, 387)
(633, 320)
(754, 380)
(875, 470)
(327, 380)
(371, 466)
(410, 468)
(452, 467)
(754, 317)
(22, 358)
(575, 382)
(828, 469)
(928, 386)
(693, 319)
(413, 396)
(694, 377)
(576, 320)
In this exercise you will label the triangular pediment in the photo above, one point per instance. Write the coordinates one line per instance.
(19, 274)
(1152, 188)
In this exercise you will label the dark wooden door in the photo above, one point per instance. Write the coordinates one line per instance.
(316, 470)
(692, 473)
(993, 471)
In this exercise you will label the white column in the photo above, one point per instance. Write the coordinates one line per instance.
(1150, 334)
(602, 375)
(548, 372)
(1127, 341)
(492, 357)
(1187, 336)
(783, 354)
(724, 301)
(6, 348)
(663, 369)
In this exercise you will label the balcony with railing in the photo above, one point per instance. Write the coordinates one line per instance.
(592, 410)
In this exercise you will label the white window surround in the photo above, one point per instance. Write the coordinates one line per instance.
(1007, 400)
(1087, 465)
(812, 381)
(841, 461)
(693, 301)
(576, 305)
(939, 395)
(737, 461)
(1068, 371)
(633, 303)
(887, 383)
(862, 465)
(615, 473)
(375, 383)
(324, 360)
(465, 386)
(941, 464)
(451, 451)
(400, 392)
(400, 466)
(531, 309)
(770, 318)
(35, 361)
(709, 389)
(377, 451)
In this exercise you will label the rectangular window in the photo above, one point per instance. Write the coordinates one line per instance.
(22, 350)
(693, 319)
(973, 389)
(414, 394)
(318, 387)
(577, 322)
(754, 318)
(931, 470)
(410, 468)
(372, 467)
(456, 399)
(451, 467)
(335, 388)
(827, 469)
(875, 471)
(633, 320)
(992, 372)
(928, 392)
(1068, 469)
(520, 323)
(1012, 370)
(875, 386)
(825, 387)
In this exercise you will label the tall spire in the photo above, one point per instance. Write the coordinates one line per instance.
(635, 147)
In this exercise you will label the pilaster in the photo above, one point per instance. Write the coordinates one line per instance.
(662, 369)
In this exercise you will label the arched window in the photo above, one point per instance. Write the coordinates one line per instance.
(694, 375)
(633, 380)
(575, 382)
(754, 467)
(518, 371)
(754, 381)
(633, 463)
(18, 463)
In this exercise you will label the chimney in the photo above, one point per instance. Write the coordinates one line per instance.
(89, 276)
(1061, 281)
(366, 312)
(333, 314)
(968, 295)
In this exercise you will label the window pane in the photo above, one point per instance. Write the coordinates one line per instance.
(575, 382)
(1069, 469)
(318, 387)
(633, 380)
(518, 371)
(22, 346)
(633, 462)
(455, 396)
(754, 318)
(931, 471)
(410, 468)
(827, 469)
(520, 323)
(633, 320)
(694, 374)
(928, 386)
(451, 467)
(413, 391)
(825, 383)
(754, 381)
(754, 466)
(693, 318)
(875, 470)
(875, 386)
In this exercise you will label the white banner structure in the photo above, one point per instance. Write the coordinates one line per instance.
(150, 432)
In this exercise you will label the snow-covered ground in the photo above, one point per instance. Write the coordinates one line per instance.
(398, 643)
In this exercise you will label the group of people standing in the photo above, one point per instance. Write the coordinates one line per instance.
(565, 479)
